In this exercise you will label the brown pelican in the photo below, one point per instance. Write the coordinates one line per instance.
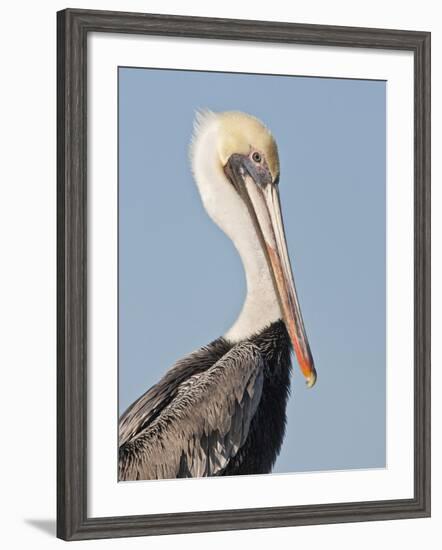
(222, 409)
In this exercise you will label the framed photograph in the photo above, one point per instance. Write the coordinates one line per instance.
(243, 274)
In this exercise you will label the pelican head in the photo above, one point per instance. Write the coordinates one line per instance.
(236, 166)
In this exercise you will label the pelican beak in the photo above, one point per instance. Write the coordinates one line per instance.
(262, 199)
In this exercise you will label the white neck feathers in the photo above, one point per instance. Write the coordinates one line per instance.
(228, 211)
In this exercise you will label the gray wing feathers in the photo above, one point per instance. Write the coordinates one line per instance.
(204, 425)
(141, 413)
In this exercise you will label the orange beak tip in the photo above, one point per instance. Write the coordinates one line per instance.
(311, 379)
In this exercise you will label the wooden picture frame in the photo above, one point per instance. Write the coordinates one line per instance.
(73, 27)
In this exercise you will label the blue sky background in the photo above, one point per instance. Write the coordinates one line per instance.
(181, 283)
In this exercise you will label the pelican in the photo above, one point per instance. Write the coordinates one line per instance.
(221, 410)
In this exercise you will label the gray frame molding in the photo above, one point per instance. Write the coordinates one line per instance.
(73, 27)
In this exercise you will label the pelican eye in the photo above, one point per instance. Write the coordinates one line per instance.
(256, 157)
